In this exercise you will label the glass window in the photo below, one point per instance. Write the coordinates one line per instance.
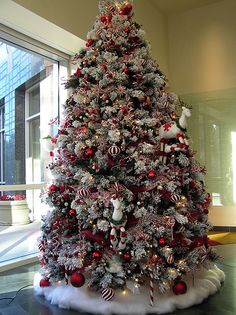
(30, 90)
(213, 131)
(34, 100)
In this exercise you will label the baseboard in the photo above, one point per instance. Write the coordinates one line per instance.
(224, 228)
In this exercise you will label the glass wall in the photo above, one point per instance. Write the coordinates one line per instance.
(213, 131)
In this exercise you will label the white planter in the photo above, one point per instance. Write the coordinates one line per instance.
(14, 212)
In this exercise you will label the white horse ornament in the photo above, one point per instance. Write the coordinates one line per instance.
(174, 130)
(118, 222)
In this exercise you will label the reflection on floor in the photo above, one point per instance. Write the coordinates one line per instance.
(18, 241)
(222, 303)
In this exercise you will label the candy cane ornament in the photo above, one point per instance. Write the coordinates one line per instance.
(151, 289)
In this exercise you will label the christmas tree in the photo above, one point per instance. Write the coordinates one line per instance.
(128, 202)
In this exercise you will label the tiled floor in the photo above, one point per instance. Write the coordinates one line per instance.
(26, 303)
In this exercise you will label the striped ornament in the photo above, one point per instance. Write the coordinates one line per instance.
(175, 198)
(170, 259)
(84, 192)
(165, 104)
(114, 150)
(98, 32)
(108, 294)
(110, 7)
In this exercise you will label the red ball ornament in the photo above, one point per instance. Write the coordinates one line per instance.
(89, 152)
(179, 287)
(52, 188)
(151, 174)
(89, 42)
(77, 279)
(96, 255)
(109, 18)
(72, 212)
(173, 243)
(127, 30)
(44, 283)
(103, 19)
(126, 9)
(162, 241)
(127, 257)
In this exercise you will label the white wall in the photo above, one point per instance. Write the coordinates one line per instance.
(202, 58)
(28, 23)
(77, 17)
(202, 48)
(155, 24)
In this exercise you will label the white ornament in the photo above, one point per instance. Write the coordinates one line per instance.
(118, 222)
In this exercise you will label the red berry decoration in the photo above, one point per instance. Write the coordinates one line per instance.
(151, 174)
(127, 30)
(127, 257)
(96, 255)
(103, 66)
(89, 42)
(114, 150)
(180, 287)
(77, 279)
(44, 283)
(126, 70)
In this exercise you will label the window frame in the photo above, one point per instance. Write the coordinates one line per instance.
(2, 136)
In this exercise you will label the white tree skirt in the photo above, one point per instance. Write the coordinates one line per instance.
(206, 282)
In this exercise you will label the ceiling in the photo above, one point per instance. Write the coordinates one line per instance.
(172, 6)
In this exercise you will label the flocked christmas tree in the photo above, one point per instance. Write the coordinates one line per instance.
(128, 202)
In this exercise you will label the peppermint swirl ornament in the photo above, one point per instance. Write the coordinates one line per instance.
(170, 222)
(108, 294)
